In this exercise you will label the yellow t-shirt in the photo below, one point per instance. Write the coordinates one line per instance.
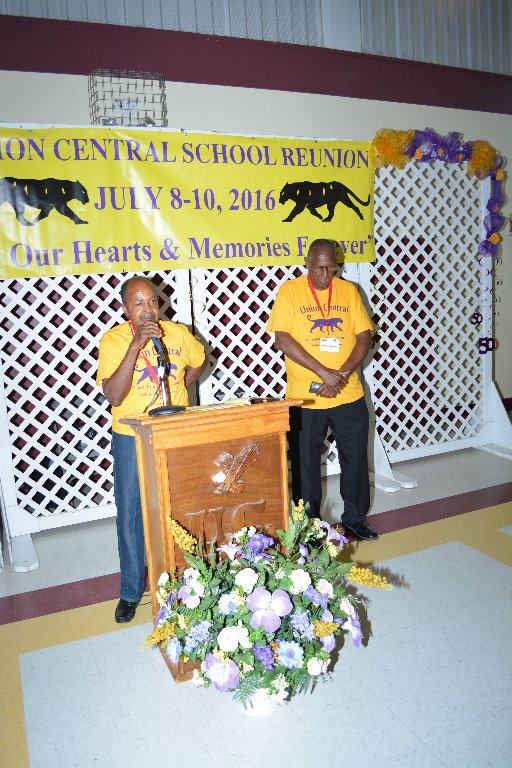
(295, 311)
(182, 349)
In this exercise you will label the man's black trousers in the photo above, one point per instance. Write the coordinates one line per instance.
(308, 430)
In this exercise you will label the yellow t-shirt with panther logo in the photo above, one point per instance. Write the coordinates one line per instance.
(295, 311)
(183, 350)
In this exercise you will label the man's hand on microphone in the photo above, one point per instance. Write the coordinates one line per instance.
(146, 330)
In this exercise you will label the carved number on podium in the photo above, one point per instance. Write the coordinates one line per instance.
(231, 468)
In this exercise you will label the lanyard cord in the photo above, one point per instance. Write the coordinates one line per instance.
(315, 296)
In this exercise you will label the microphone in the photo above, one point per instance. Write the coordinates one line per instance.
(166, 409)
(160, 351)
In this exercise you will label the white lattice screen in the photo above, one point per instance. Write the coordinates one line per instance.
(427, 372)
(426, 376)
(58, 418)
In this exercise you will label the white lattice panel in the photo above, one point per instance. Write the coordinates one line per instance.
(426, 376)
(425, 286)
(231, 309)
(58, 419)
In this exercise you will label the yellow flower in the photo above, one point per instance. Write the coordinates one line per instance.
(160, 634)
(182, 622)
(325, 628)
(500, 175)
(388, 148)
(482, 160)
(494, 238)
(332, 549)
(418, 154)
(185, 541)
(367, 578)
(298, 511)
(220, 655)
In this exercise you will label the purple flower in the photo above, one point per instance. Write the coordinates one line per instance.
(173, 650)
(265, 656)
(300, 621)
(259, 543)
(197, 635)
(353, 625)
(304, 552)
(290, 654)
(316, 597)
(267, 609)
(224, 674)
(160, 615)
(333, 534)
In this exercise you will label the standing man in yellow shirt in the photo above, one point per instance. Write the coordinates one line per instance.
(127, 374)
(321, 326)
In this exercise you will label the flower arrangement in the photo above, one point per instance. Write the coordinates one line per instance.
(261, 612)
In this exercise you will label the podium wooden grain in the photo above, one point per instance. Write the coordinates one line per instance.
(182, 460)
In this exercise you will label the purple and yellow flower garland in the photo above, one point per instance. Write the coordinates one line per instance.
(397, 148)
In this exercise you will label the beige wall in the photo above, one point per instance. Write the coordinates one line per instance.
(63, 99)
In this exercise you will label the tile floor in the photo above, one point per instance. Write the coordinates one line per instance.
(430, 688)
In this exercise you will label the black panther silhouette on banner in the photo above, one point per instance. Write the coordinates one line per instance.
(312, 195)
(42, 194)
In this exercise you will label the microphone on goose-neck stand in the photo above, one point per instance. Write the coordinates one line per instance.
(166, 409)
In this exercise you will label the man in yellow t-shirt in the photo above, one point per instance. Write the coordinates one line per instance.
(127, 374)
(321, 326)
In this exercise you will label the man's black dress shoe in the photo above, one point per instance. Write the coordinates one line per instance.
(125, 611)
(362, 531)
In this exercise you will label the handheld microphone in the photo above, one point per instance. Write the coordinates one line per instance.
(166, 409)
(160, 351)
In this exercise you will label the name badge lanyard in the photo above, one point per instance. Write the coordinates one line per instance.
(312, 289)
(152, 372)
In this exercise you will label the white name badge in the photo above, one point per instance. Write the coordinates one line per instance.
(329, 345)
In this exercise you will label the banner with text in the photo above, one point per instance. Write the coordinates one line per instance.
(93, 200)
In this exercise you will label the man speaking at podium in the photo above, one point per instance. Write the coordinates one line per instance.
(127, 374)
(322, 327)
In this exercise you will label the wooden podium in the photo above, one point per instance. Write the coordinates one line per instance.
(214, 469)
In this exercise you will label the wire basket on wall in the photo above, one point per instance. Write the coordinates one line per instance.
(126, 97)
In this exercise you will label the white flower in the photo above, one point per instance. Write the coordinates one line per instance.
(347, 607)
(251, 531)
(230, 638)
(163, 579)
(197, 678)
(279, 573)
(191, 574)
(300, 581)
(316, 666)
(246, 578)
(325, 587)
(279, 689)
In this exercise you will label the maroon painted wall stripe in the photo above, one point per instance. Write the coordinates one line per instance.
(63, 47)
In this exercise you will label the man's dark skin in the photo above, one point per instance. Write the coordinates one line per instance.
(322, 266)
(141, 307)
